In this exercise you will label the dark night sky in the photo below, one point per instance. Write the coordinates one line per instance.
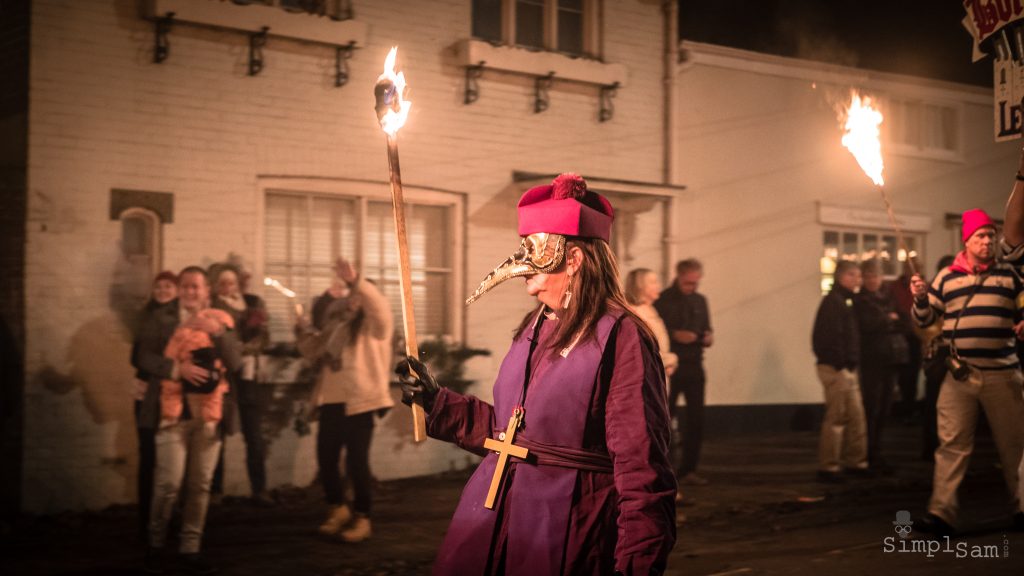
(915, 37)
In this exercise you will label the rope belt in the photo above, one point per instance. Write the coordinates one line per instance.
(550, 455)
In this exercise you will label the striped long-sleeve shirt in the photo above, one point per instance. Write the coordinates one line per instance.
(984, 335)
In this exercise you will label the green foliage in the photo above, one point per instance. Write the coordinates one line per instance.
(447, 362)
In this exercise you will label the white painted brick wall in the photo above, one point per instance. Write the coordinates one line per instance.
(758, 152)
(104, 116)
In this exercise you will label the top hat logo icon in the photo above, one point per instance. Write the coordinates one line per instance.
(903, 523)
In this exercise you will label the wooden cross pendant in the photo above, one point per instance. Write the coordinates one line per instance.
(505, 448)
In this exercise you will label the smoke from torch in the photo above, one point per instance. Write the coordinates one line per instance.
(862, 137)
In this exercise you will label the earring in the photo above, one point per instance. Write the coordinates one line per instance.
(568, 295)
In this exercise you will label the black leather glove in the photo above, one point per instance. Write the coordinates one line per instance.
(418, 384)
(204, 358)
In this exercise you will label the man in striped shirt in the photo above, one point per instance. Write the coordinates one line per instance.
(976, 298)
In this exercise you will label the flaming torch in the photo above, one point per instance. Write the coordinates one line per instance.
(392, 111)
(862, 139)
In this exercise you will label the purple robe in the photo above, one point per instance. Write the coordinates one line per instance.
(608, 395)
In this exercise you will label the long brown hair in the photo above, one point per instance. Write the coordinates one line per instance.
(595, 292)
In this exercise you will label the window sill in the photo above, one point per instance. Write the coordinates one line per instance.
(252, 18)
(522, 61)
(940, 154)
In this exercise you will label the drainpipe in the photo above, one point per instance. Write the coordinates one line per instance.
(670, 8)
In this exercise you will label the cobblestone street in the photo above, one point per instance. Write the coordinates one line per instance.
(761, 514)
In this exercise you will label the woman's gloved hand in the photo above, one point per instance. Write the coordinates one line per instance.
(418, 384)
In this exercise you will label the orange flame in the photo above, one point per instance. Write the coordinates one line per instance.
(862, 136)
(393, 120)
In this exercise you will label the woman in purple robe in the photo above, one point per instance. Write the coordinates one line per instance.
(588, 488)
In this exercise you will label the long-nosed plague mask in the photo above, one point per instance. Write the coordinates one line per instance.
(548, 215)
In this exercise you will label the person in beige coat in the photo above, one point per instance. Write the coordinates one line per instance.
(350, 341)
(642, 289)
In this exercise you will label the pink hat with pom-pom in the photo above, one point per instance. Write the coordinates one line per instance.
(566, 207)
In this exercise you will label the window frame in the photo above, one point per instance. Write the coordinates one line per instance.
(591, 18)
(333, 9)
(918, 149)
(364, 192)
(918, 241)
(154, 229)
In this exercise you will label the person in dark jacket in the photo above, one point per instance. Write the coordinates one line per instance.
(249, 397)
(836, 343)
(883, 352)
(163, 299)
(191, 434)
(909, 373)
(934, 351)
(686, 316)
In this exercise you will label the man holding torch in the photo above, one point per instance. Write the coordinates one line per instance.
(1013, 249)
(976, 298)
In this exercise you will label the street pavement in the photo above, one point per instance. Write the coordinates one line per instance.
(761, 513)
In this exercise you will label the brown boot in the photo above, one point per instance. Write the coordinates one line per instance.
(337, 518)
(357, 531)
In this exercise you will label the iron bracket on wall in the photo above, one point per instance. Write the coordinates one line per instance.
(541, 98)
(257, 40)
(161, 47)
(341, 57)
(607, 106)
(473, 74)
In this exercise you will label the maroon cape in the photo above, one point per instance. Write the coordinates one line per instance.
(608, 395)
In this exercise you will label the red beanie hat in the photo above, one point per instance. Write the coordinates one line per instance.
(166, 275)
(565, 207)
(974, 220)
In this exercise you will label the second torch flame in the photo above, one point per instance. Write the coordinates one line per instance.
(863, 136)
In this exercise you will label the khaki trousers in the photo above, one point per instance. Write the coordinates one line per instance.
(188, 451)
(999, 393)
(844, 441)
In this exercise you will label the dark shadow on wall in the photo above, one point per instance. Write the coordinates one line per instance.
(12, 375)
(97, 365)
(98, 368)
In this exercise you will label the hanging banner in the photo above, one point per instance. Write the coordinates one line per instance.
(1007, 91)
(1008, 82)
(986, 18)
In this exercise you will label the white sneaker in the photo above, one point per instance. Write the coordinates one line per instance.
(358, 531)
(338, 517)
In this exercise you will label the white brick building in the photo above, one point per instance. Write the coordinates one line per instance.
(286, 169)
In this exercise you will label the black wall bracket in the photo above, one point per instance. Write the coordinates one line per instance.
(607, 106)
(257, 40)
(341, 57)
(473, 74)
(541, 98)
(161, 46)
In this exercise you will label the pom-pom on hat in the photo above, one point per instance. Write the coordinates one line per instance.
(565, 207)
(974, 220)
